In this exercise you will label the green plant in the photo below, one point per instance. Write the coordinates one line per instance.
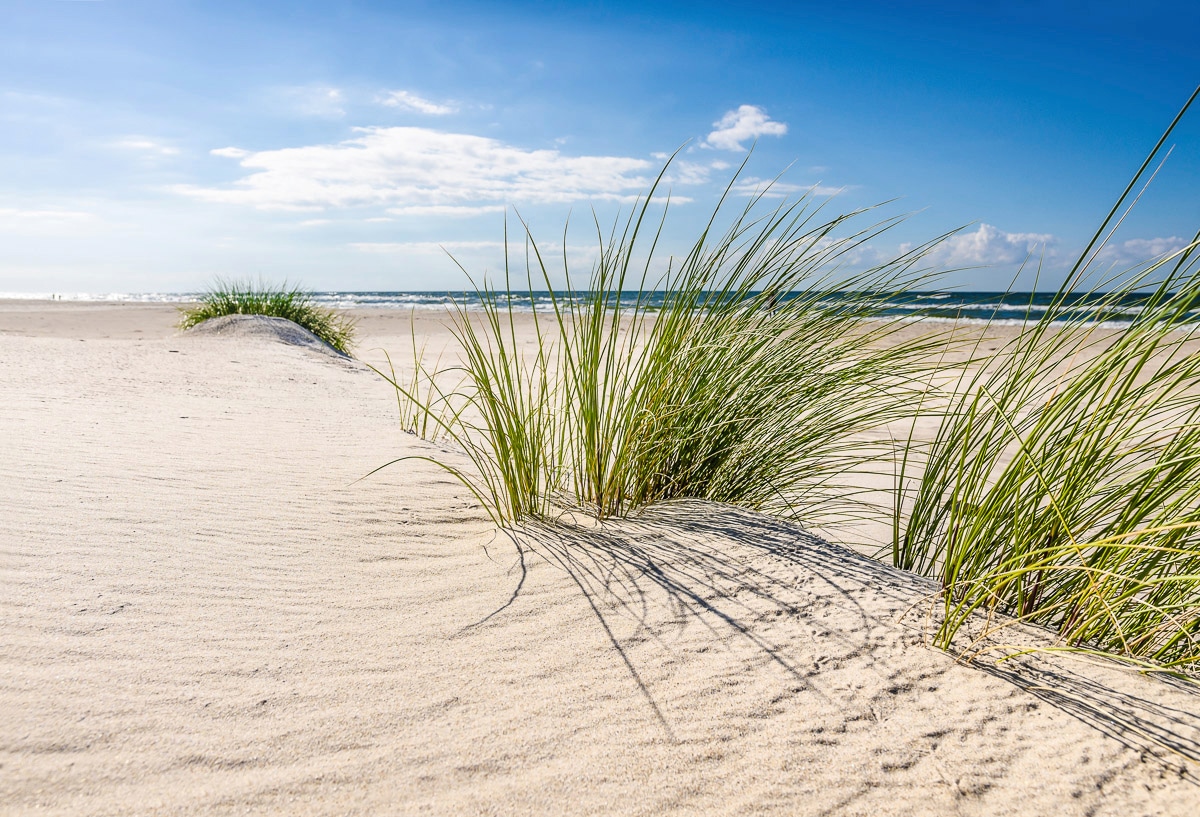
(1063, 487)
(418, 399)
(292, 303)
(741, 374)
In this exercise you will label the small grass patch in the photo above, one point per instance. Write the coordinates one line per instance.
(292, 303)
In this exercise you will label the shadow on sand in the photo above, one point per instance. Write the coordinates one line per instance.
(695, 563)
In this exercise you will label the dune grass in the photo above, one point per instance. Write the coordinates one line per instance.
(741, 374)
(292, 303)
(1063, 487)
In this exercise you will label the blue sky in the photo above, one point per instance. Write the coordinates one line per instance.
(150, 146)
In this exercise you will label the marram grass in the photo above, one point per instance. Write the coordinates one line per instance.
(292, 303)
(1063, 487)
(747, 379)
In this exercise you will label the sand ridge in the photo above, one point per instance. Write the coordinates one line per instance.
(261, 326)
(207, 611)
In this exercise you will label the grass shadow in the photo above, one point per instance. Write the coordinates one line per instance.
(1113, 699)
(672, 566)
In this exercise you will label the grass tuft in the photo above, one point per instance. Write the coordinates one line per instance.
(1063, 487)
(741, 374)
(292, 303)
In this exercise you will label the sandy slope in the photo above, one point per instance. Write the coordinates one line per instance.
(204, 612)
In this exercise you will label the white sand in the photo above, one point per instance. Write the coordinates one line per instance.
(204, 613)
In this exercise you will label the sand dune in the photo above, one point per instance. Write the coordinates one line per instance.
(206, 611)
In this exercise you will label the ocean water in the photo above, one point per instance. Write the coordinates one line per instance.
(1004, 307)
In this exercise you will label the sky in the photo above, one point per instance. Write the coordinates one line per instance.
(154, 146)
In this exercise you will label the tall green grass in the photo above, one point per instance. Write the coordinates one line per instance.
(1063, 487)
(751, 382)
(282, 301)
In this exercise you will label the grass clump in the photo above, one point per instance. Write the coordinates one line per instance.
(292, 303)
(1063, 487)
(741, 374)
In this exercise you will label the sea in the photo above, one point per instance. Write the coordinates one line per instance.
(999, 307)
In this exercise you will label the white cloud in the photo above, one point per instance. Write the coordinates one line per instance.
(684, 172)
(1140, 250)
(36, 99)
(321, 101)
(411, 102)
(746, 123)
(424, 247)
(753, 186)
(452, 210)
(421, 167)
(230, 152)
(13, 220)
(29, 108)
(989, 245)
(482, 252)
(845, 252)
(146, 146)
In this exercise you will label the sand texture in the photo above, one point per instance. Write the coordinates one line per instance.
(206, 611)
(261, 326)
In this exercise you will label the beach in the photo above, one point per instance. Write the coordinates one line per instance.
(214, 604)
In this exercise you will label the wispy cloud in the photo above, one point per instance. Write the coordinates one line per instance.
(421, 168)
(452, 210)
(318, 101)
(753, 186)
(230, 152)
(990, 245)
(746, 123)
(146, 146)
(38, 222)
(34, 98)
(424, 247)
(411, 102)
(479, 252)
(687, 173)
(1140, 250)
